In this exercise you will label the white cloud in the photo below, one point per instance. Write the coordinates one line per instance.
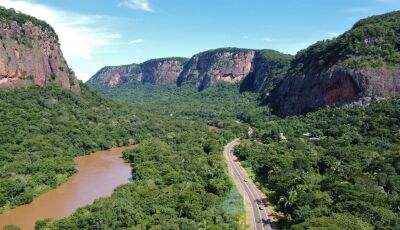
(136, 41)
(137, 5)
(80, 35)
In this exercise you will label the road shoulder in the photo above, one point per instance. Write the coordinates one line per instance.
(246, 200)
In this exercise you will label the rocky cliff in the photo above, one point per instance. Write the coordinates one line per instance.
(111, 76)
(214, 66)
(155, 71)
(358, 66)
(269, 68)
(30, 53)
(164, 70)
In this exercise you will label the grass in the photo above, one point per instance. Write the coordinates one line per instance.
(233, 206)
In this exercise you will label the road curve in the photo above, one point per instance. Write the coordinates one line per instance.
(259, 213)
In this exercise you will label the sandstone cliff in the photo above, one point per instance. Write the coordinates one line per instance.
(269, 68)
(111, 76)
(214, 66)
(358, 66)
(30, 53)
(156, 71)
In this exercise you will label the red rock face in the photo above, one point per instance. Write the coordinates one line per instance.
(163, 71)
(32, 56)
(342, 90)
(216, 66)
(305, 93)
(113, 75)
(157, 71)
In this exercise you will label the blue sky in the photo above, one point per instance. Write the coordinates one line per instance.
(95, 33)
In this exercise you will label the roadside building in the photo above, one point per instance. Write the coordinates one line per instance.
(282, 138)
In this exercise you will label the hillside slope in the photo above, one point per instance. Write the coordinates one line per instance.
(361, 65)
(30, 53)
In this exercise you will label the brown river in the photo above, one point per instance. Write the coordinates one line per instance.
(98, 175)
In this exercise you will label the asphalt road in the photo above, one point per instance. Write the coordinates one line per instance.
(257, 198)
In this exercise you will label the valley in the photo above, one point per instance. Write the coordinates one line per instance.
(202, 142)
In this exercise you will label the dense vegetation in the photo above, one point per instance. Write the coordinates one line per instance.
(180, 175)
(373, 42)
(346, 179)
(42, 129)
(233, 50)
(180, 183)
(179, 59)
(349, 179)
(10, 15)
(218, 103)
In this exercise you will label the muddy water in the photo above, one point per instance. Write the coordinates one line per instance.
(99, 174)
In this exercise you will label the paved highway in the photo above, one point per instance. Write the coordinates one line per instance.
(259, 212)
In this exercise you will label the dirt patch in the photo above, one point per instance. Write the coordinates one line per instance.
(214, 128)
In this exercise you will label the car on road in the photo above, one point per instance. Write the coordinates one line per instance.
(261, 207)
(245, 180)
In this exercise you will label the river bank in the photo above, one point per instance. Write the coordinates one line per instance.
(98, 175)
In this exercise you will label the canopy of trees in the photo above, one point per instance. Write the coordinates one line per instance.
(351, 175)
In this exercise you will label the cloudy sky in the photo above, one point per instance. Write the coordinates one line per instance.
(95, 33)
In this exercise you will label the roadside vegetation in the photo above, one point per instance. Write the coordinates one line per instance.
(348, 178)
(180, 183)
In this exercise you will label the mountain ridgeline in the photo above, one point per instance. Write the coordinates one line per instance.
(156, 71)
(262, 69)
(361, 65)
(30, 53)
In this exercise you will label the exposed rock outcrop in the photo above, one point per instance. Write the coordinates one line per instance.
(255, 70)
(30, 53)
(358, 66)
(162, 70)
(155, 71)
(305, 93)
(111, 76)
(221, 65)
(269, 68)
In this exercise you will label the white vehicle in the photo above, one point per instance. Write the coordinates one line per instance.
(261, 207)
(245, 180)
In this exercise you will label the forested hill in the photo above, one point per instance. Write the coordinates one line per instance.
(354, 68)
